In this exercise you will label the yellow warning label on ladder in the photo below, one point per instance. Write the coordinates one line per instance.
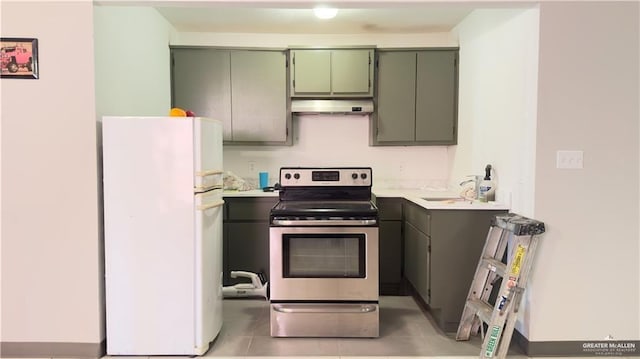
(517, 260)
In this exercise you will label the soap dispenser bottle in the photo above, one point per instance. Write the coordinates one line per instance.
(486, 190)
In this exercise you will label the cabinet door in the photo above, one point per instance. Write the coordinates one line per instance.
(416, 260)
(390, 252)
(259, 96)
(411, 235)
(248, 248)
(423, 277)
(311, 72)
(201, 82)
(436, 96)
(417, 249)
(396, 96)
(351, 72)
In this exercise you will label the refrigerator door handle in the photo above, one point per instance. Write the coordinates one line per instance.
(208, 173)
(205, 207)
(205, 180)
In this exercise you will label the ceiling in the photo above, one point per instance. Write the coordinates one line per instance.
(406, 19)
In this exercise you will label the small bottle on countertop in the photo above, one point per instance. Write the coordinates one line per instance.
(486, 190)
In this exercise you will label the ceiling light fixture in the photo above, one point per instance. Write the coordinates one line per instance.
(325, 12)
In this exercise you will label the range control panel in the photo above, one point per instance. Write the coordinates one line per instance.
(335, 177)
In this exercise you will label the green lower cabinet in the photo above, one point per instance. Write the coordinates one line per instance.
(457, 240)
(390, 248)
(248, 249)
(390, 233)
(416, 265)
(441, 253)
(246, 236)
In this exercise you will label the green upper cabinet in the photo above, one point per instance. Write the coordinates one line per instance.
(201, 82)
(416, 98)
(330, 73)
(246, 89)
(259, 96)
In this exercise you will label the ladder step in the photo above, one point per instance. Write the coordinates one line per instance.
(495, 265)
(510, 230)
(482, 309)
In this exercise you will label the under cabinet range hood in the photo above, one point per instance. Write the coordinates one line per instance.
(348, 107)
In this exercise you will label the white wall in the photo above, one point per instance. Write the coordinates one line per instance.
(50, 249)
(132, 75)
(497, 102)
(442, 39)
(132, 62)
(586, 280)
(343, 141)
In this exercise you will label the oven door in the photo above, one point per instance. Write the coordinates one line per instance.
(324, 263)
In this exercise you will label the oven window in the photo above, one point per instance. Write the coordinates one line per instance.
(323, 255)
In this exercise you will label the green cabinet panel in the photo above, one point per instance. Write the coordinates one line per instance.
(417, 216)
(311, 72)
(246, 235)
(411, 239)
(396, 113)
(436, 96)
(351, 71)
(201, 82)
(416, 265)
(416, 97)
(457, 240)
(245, 89)
(332, 73)
(249, 208)
(453, 241)
(418, 250)
(391, 245)
(389, 208)
(259, 96)
(248, 249)
(390, 252)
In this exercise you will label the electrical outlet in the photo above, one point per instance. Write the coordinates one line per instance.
(252, 166)
(569, 159)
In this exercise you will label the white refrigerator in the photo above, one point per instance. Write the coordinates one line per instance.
(163, 234)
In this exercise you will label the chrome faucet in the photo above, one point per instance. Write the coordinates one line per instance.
(476, 183)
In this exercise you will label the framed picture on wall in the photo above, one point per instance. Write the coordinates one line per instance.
(19, 57)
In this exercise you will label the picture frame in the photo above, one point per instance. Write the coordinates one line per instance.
(19, 58)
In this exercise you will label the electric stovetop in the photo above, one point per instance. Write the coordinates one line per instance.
(325, 208)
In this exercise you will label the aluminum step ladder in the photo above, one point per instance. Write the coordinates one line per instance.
(519, 236)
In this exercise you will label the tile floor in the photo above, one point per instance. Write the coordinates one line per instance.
(405, 331)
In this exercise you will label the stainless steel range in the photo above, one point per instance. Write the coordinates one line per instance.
(324, 254)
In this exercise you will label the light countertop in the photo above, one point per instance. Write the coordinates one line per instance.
(438, 199)
(450, 200)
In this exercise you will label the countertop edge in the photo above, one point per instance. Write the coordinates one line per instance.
(414, 196)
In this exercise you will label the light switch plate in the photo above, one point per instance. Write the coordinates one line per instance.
(569, 159)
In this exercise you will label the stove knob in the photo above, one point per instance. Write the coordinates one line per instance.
(287, 175)
(354, 175)
(296, 175)
(363, 175)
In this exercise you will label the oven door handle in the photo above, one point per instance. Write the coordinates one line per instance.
(324, 222)
(319, 308)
